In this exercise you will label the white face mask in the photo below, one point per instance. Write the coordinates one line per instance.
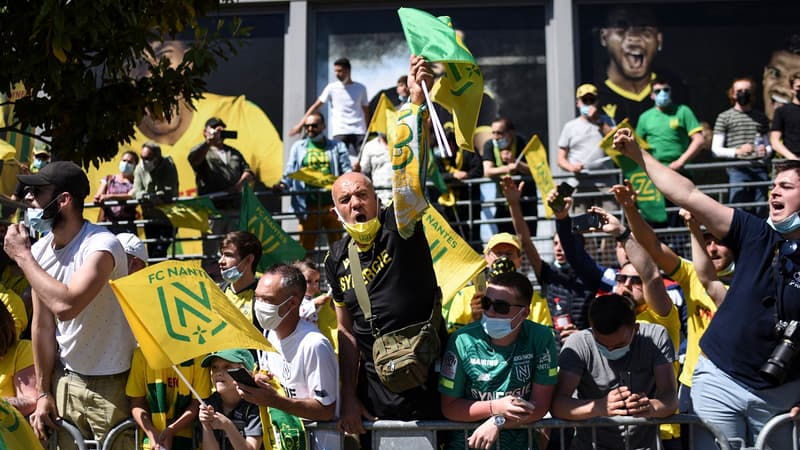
(267, 313)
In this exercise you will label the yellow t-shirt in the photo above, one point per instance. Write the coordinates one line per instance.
(19, 356)
(15, 307)
(15, 432)
(167, 395)
(700, 309)
(328, 326)
(243, 300)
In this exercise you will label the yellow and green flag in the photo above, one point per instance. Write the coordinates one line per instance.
(536, 157)
(460, 88)
(410, 166)
(454, 261)
(314, 178)
(649, 199)
(190, 213)
(276, 245)
(177, 312)
(379, 122)
(15, 431)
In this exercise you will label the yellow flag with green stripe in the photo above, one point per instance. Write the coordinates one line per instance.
(177, 312)
(15, 431)
(536, 157)
(454, 261)
(409, 165)
(190, 213)
(314, 178)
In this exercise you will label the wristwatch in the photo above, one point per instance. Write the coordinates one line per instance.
(499, 421)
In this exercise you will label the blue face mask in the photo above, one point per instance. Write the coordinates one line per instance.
(231, 274)
(786, 225)
(584, 109)
(663, 99)
(613, 355)
(35, 220)
(125, 168)
(501, 143)
(498, 327)
(38, 164)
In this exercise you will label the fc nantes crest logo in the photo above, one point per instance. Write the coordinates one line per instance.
(187, 314)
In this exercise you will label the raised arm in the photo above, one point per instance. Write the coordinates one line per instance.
(664, 257)
(703, 264)
(512, 192)
(655, 294)
(679, 189)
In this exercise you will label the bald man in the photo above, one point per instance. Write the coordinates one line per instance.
(401, 286)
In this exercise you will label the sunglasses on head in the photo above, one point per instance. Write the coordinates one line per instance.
(500, 306)
(622, 278)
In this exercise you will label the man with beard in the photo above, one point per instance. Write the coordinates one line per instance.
(632, 40)
(82, 343)
(349, 109)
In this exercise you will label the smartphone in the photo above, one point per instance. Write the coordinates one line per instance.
(585, 222)
(524, 402)
(563, 190)
(242, 376)
(229, 134)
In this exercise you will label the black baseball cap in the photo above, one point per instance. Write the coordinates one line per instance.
(66, 176)
(215, 122)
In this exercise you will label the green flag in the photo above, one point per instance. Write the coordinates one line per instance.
(276, 245)
(432, 37)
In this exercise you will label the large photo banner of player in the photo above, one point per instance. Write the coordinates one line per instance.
(698, 48)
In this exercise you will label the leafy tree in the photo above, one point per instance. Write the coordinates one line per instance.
(79, 68)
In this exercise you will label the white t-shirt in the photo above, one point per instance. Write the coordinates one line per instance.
(98, 341)
(582, 139)
(307, 367)
(346, 103)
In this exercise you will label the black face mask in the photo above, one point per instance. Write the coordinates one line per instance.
(743, 98)
(797, 94)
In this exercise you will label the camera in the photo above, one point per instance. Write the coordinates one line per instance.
(783, 357)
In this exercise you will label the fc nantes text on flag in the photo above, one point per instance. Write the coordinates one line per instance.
(276, 245)
(454, 261)
(460, 89)
(649, 199)
(177, 312)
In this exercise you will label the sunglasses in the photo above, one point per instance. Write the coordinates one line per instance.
(622, 279)
(660, 90)
(498, 133)
(500, 306)
(311, 125)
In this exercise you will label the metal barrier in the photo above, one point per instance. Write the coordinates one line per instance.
(118, 430)
(393, 434)
(771, 429)
(73, 431)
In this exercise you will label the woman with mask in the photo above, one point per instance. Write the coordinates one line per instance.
(118, 188)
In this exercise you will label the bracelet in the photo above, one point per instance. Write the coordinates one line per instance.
(622, 237)
(491, 413)
(42, 395)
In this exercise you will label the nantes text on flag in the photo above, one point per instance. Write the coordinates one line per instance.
(536, 157)
(177, 312)
(460, 88)
(276, 245)
(649, 199)
(190, 213)
(454, 261)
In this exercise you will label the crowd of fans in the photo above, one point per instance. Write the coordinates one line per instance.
(654, 335)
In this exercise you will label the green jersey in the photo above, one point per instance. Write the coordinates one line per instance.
(474, 369)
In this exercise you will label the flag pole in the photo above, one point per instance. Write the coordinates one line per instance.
(189, 385)
(441, 140)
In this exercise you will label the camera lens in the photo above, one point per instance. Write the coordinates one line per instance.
(780, 361)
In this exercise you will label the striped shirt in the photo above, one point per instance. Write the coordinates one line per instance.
(740, 127)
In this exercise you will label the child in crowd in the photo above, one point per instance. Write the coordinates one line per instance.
(228, 422)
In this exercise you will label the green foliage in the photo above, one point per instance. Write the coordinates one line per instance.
(81, 64)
